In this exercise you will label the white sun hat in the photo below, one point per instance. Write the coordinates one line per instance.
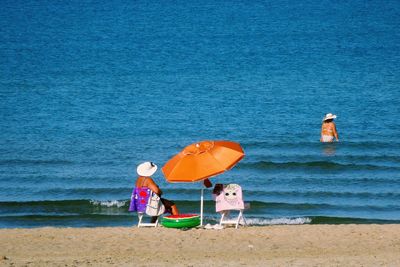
(146, 168)
(329, 116)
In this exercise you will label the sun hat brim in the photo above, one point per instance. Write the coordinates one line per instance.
(331, 117)
(146, 169)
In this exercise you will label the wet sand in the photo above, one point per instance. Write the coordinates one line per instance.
(297, 245)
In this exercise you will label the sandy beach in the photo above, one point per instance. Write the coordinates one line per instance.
(300, 245)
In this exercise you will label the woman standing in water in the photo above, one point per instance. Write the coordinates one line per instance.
(328, 129)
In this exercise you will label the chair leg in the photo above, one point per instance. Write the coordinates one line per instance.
(140, 216)
(238, 220)
(145, 224)
(222, 218)
(244, 220)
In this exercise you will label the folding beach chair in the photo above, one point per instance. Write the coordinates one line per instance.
(229, 198)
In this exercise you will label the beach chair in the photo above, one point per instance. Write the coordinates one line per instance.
(139, 203)
(145, 224)
(228, 199)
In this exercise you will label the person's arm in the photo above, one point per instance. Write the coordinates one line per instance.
(154, 187)
(335, 133)
(207, 183)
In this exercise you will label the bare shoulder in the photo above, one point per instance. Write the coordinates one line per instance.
(144, 181)
(150, 181)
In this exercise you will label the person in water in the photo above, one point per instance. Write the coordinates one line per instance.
(328, 129)
(145, 171)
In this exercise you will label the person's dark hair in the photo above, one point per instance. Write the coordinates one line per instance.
(329, 120)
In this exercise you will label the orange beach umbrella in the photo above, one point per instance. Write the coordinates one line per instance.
(202, 160)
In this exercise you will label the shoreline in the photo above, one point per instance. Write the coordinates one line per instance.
(277, 245)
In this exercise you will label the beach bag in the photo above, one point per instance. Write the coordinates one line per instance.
(155, 206)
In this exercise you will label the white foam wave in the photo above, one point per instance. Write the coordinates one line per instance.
(277, 221)
(109, 203)
(264, 221)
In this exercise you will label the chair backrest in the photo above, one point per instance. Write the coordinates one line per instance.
(139, 199)
(229, 198)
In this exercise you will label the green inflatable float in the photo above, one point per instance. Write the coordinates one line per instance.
(181, 221)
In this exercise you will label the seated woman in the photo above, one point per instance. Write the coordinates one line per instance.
(145, 170)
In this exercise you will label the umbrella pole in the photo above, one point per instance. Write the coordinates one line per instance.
(201, 206)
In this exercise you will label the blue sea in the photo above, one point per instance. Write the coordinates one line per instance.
(90, 89)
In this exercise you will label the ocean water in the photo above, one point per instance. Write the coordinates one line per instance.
(91, 89)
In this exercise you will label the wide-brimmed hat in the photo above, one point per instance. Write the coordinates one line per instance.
(329, 116)
(146, 168)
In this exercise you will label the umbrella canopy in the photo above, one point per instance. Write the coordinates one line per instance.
(202, 160)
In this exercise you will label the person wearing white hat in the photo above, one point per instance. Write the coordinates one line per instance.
(145, 170)
(328, 129)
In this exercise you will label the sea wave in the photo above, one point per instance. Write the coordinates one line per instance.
(349, 220)
(86, 206)
(374, 159)
(90, 212)
(95, 220)
(315, 194)
(110, 203)
(327, 165)
(278, 221)
(303, 207)
(343, 144)
(22, 162)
